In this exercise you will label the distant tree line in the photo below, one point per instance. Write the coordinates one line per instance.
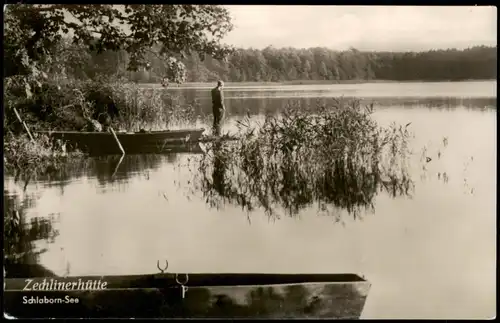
(313, 64)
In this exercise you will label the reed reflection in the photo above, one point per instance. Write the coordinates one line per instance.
(344, 186)
(106, 170)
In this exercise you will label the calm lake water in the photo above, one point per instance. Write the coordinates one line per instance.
(428, 255)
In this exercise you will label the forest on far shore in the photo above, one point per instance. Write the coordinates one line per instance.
(313, 64)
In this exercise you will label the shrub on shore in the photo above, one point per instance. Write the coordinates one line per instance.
(70, 104)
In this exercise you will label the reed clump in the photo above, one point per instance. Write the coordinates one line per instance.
(335, 156)
(150, 108)
(25, 157)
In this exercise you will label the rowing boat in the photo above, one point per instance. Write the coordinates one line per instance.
(104, 143)
(166, 295)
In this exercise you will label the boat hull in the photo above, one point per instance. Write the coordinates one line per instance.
(340, 296)
(104, 143)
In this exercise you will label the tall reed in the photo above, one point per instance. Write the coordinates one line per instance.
(335, 156)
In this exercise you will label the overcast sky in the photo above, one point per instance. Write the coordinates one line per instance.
(363, 27)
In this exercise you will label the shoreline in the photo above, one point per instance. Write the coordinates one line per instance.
(304, 82)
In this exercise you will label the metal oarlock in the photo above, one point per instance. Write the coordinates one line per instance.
(183, 283)
(184, 289)
(164, 269)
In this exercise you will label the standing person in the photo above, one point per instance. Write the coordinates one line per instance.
(218, 106)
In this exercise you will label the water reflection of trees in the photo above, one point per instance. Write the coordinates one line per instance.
(20, 234)
(338, 161)
(439, 103)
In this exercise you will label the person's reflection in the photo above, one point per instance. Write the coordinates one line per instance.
(172, 158)
(219, 169)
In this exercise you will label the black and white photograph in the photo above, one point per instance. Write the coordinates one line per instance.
(246, 161)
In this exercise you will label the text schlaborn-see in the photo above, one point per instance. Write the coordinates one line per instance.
(50, 300)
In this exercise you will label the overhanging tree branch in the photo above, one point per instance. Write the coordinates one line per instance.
(177, 29)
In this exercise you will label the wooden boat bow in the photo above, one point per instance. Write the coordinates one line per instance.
(193, 295)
